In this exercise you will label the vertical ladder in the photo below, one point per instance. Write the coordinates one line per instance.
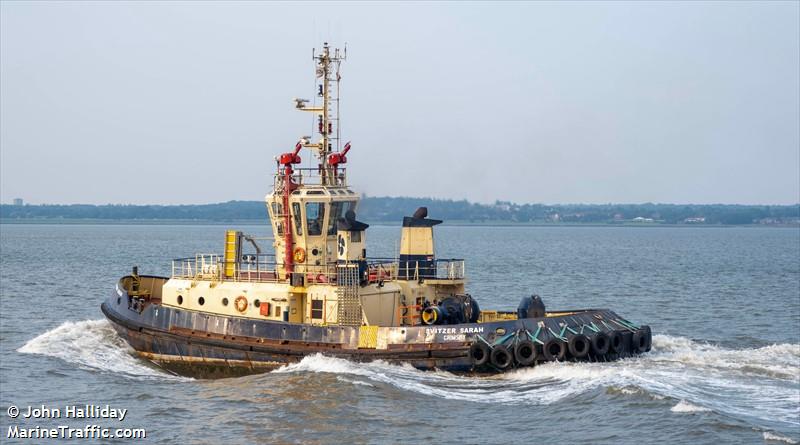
(349, 307)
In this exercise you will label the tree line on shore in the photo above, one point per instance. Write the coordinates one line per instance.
(393, 209)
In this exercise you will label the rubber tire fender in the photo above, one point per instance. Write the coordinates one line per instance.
(600, 344)
(479, 353)
(649, 336)
(639, 341)
(616, 342)
(554, 349)
(525, 352)
(501, 357)
(578, 346)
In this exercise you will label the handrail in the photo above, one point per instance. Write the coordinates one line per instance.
(264, 268)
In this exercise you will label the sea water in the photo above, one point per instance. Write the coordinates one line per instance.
(723, 304)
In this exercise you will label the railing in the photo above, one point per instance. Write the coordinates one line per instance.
(409, 315)
(264, 268)
(310, 176)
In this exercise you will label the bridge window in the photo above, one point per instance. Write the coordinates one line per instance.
(315, 217)
(298, 219)
(277, 212)
(338, 209)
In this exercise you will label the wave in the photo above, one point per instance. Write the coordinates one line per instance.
(686, 407)
(772, 437)
(92, 345)
(761, 384)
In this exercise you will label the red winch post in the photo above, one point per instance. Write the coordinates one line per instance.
(287, 159)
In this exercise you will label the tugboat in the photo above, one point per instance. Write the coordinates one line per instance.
(246, 311)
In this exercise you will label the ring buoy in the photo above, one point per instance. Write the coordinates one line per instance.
(525, 352)
(299, 255)
(501, 357)
(600, 344)
(479, 353)
(554, 350)
(240, 303)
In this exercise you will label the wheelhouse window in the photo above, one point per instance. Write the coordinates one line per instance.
(277, 212)
(298, 219)
(338, 209)
(315, 217)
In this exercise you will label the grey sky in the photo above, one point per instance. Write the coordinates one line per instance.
(559, 103)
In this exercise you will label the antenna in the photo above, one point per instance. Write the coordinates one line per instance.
(328, 62)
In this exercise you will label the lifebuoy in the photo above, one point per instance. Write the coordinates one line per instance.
(299, 255)
(525, 352)
(240, 303)
(479, 353)
(600, 344)
(501, 357)
(554, 349)
(578, 346)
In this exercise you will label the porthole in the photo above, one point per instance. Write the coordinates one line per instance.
(224, 301)
(500, 331)
(119, 300)
(201, 301)
(257, 303)
(180, 299)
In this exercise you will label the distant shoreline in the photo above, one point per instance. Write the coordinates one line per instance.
(391, 210)
(264, 222)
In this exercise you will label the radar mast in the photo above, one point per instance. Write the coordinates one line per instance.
(328, 62)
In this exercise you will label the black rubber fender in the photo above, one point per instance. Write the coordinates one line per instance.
(616, 343)
(479, 353)
(578, 346)
(554, 349)
(525, 352)
(649, 336)
(639, 341)
(501, 357)
(600, 344)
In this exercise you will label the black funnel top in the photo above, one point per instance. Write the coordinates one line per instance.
(420, 219)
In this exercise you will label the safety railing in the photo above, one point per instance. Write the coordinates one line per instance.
(264, 268)
(440, 269)
(312, 176)
(409, 315)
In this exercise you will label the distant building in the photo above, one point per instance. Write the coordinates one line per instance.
(18, 202)
(695, 220)
(641, 219)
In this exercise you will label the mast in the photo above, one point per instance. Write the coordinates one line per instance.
(327, 73)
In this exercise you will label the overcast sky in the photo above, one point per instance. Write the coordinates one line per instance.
(585, 102)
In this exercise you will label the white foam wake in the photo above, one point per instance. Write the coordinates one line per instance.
(760, 383)
(91, 344)
(772, 437)
(685, 407)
